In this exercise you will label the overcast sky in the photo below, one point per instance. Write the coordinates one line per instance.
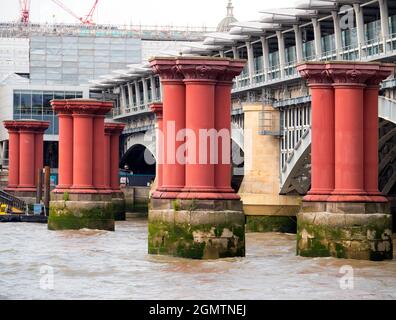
(149, 12)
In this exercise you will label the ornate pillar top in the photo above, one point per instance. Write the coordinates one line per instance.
(114, 128)
(197, 68)
(315, 73)
(345, 72)
(82, 106)
(26, 125)
(209, 68)
(157, 108)
(351, 73)
(385, 70)
(166, 68)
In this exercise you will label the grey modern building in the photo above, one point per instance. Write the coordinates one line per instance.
(314, 30)
(39, 63)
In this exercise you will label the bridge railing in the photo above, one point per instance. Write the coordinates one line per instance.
(370, 50)
(295, 122)
(11, 201)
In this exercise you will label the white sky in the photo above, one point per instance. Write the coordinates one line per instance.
(149, 12)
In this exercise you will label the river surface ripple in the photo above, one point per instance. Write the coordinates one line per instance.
(115, 265)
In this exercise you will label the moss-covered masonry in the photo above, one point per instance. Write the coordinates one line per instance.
(73, 215)
(119, 209)
(197, 234)
(284, 224)
(340, 235)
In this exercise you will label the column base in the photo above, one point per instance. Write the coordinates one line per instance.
(21, 189)
(81, 211)
(357, 198)
(378, 198)
(170, 189)
(210, 229)
(316, 197)
(361, 231)
(186, 195)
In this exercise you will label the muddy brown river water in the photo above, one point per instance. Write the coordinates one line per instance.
(39, 264)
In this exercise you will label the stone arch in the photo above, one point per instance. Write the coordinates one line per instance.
(140, 160)
(139, 153)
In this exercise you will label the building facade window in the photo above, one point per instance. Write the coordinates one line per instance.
(32, 104)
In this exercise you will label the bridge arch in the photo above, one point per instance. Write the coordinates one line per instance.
(139, 153)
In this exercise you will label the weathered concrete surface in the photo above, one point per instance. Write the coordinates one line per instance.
(119, 208)
(136, 199)
(141, 199)
(284, 224)
(351, 231)
(129, 198)
(76, 215)
(204, 231)
(260, 187)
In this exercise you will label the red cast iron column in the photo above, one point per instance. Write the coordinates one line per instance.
(157, 108)
(371, 133)
(223, 169)
(322, 131)
(349, 83)
(99, 147)
(174, 122)
(65, 166)
(115, 130)
(13, 154)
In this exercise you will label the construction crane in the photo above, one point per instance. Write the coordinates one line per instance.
(25, 10)
(88, 19)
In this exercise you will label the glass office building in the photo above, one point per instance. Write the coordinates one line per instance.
(72, 60)
(32, 104)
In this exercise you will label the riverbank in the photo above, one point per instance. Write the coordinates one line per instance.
(115, 265)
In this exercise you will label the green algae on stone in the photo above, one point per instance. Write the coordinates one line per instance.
(66, 218)
(199, 241)
(368, 241)
(284, 224)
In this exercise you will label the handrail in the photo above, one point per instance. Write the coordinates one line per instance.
(12, 201)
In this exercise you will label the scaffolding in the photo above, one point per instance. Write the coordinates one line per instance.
(144, 32)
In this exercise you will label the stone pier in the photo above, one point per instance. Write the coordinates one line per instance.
(194, 213)
(265, 209)
(25, 157)
(344, 215)
(87, 195)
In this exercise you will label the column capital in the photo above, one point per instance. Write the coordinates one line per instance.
(82, 106)
(11, 126)
(212, 69)
(346, 73)
(315, 73)
(157, 108)
(200, 71)
(166, 68)
(33, 126)
(114, 128)
(61, 107)
(385, 70)
(233, 70)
